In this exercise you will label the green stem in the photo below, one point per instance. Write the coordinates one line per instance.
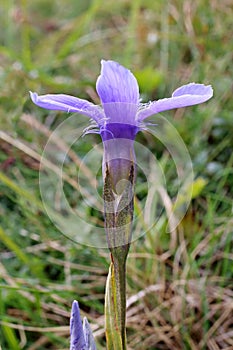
(120, 280)
(115, 306)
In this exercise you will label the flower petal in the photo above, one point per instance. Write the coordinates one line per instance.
(187, 95)
(67, 103)
(116, 84)
(121, 112)
(88, 335)
(77, 339)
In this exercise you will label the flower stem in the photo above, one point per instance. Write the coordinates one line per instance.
(115, 306)
(118, 226)
(120, 280)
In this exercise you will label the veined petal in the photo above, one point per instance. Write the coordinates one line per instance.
(77, 339)
(116, 84)
(121, 112)
(187, 95)
(67, 103)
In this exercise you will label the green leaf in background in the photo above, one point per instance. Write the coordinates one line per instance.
(195, 188)
(148, 79)
(11, 245)
(198, 186)
(10, 338)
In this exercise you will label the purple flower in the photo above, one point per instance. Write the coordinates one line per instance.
(121, 115)
(81, 337)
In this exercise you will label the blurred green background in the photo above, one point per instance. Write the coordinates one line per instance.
(179, 286)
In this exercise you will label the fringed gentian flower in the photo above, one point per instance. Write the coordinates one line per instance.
(122, 115)
(81, 337)
(118, 120)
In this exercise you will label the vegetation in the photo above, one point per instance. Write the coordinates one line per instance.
(179, 285)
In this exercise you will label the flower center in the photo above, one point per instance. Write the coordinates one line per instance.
(118, 130)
